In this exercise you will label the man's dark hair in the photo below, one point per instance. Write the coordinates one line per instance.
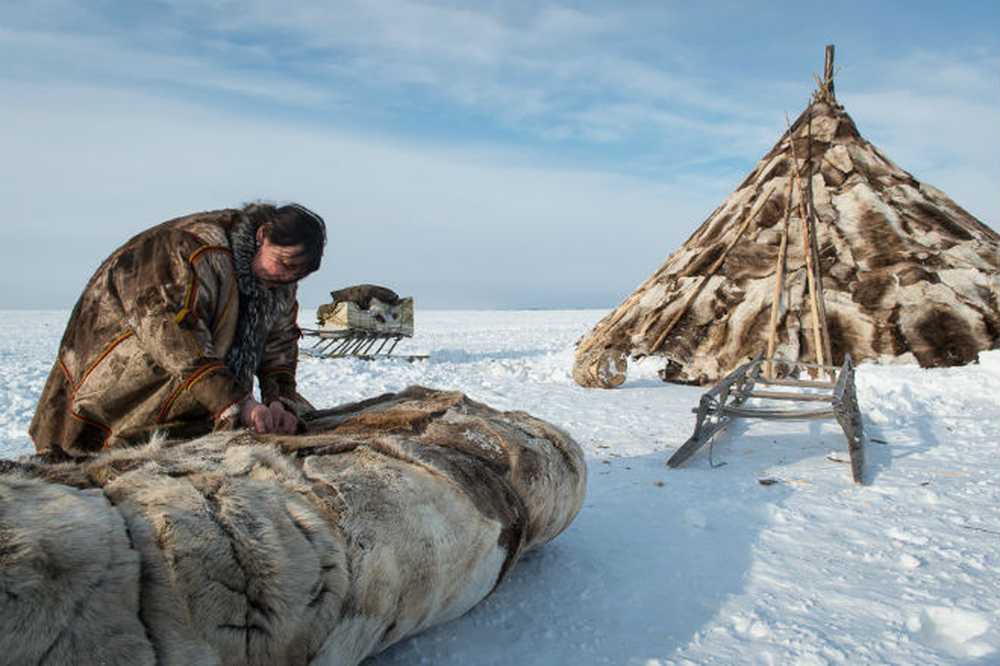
(297, 225)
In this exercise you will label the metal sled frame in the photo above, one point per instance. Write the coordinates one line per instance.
(726, 401)
(355, 343)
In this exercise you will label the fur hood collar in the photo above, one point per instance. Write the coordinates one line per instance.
(259, 307)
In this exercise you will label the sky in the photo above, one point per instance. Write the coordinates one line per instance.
(472, 155)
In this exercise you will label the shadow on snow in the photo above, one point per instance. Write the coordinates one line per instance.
(640, 571)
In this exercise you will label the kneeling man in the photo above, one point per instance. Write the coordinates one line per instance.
(172, 328)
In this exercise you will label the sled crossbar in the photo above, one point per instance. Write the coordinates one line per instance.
(725, 401)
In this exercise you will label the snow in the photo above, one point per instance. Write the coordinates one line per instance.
(701, 565)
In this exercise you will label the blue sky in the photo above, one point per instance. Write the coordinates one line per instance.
(478, 155)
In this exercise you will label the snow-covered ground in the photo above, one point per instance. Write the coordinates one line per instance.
(697, 565)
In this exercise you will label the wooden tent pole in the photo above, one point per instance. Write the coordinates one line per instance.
(821, 332)
(820, 296)
(779, 276)
(811, 278)
(828, 70)
(807, 251)
(705, 278)
(814, 243)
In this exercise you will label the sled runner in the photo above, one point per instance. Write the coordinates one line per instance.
(366, 345)
(364, 321)
(727, 399)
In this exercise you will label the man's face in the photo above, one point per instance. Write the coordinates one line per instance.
(278, 264)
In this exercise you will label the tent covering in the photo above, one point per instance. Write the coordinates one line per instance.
(907, 274)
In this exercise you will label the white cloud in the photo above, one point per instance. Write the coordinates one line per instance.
(57, 56)
(93, 167)
(528, 67)
(105, 139)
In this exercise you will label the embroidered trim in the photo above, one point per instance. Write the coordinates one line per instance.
(195, 377)
(200, 373)
(208, 248)
(232, 296)
(104, 354)
(192, 293)
(72, 396)
(188, 301)
(66, 375)
(96, 424)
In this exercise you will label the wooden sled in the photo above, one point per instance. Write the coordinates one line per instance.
(364, 344)
(726, 401)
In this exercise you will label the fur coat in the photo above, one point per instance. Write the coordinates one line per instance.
(146, 345)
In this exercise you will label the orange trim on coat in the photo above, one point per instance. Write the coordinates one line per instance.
(189, 301)
(191, 381)
(201, 372)
(104, 354)
(192, 293)
(66, 375)
(96, 424)
(233, 295)
(72, 396)
(208, 248)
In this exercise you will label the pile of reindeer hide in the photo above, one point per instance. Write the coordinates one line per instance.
(386, 517)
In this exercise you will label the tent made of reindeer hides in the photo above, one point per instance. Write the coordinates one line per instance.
(907, 275)
(386, 517)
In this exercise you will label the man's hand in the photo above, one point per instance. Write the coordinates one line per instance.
(285, 422)
(264, 419)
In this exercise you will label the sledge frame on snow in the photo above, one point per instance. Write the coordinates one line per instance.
(726, 401)
(365, 321)
(356, 343)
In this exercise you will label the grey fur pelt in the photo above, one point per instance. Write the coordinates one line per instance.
(387, 517)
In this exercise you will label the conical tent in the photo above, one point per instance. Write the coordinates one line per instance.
(906, 274)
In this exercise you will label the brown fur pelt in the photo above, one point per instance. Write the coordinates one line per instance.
(387, 517)
(908, 276)
(362, 295)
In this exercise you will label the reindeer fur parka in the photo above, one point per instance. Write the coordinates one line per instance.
(147, 345)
